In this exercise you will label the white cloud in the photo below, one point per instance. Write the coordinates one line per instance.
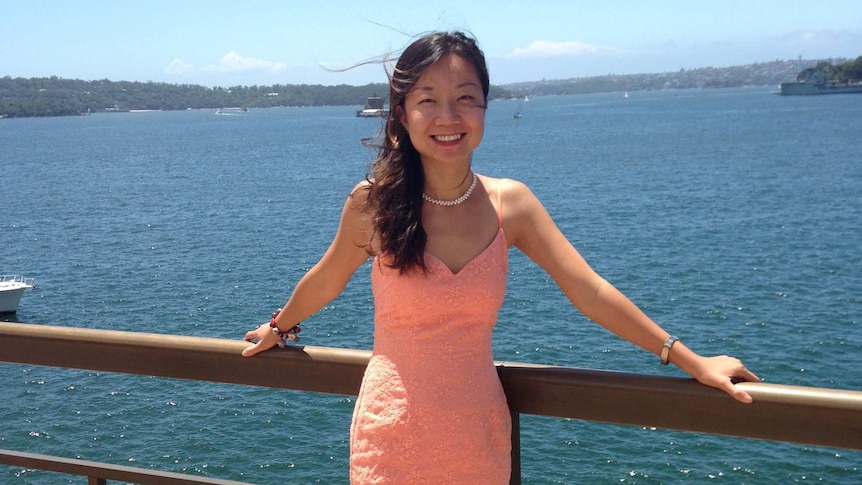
(232, 62)
(178, 66)
(235, 62)
(545, 48)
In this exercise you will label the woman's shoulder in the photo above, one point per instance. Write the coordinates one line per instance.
(511, 190)
(521, 209)
(359, 193)
(515, 196)
(505, 184)
(362, 185)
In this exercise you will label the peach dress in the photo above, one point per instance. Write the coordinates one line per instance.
(431, 408)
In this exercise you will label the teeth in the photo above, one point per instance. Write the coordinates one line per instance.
(447, 137)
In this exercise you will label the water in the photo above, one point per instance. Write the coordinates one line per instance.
(733, 217)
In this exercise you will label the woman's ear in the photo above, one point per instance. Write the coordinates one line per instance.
(399, 113)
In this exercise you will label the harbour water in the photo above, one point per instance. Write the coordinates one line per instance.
(733, 217)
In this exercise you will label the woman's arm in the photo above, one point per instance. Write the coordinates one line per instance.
(327, 279)
(531, 229)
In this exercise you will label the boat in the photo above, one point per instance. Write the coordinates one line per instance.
(823, 79)
(11, 289)
(807, 88)
(518, 114)
(233, 110)
(373, 108)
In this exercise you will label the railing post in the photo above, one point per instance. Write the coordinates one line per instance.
(515, 478)
(96, 481)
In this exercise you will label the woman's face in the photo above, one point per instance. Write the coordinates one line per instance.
(444, 113)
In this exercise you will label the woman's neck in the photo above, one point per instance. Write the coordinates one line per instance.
(447, 184)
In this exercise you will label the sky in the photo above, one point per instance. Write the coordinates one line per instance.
(255, 42)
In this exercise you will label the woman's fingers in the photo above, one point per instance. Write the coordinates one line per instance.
(748, 376)
(736, 392)
(251, 335)
(260, 334)
(254, 349)
(724, 372)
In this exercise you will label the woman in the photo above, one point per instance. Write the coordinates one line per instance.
(431, 408)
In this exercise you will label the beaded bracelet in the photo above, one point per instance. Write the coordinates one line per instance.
(283, 337)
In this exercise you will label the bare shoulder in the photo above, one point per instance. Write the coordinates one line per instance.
(359, 195)
(515, 189)
(356, 218)
(509, 188)
(517, 198)
(522, 211)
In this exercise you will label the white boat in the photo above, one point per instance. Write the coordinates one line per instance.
(11, 289)
(518, 114)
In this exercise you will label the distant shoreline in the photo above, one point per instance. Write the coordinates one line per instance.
(55, 96)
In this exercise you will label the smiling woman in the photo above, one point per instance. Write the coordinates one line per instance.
(439, 235)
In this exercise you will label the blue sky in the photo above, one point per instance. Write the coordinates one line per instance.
(253, 42)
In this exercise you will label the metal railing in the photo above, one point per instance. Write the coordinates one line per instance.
(816, 416)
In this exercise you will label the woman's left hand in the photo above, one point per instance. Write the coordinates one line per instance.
(722, 372)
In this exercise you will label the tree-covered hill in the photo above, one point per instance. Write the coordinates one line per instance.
(758, 74)
(824, 72)
(54, 96)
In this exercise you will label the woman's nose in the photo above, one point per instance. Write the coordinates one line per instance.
(447, 112)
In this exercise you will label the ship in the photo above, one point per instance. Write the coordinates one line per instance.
(373, 108)
(806, 88)
(823, 79)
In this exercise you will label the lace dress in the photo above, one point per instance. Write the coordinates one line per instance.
(431, 408)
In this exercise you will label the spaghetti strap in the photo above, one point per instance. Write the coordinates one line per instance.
(499, 203)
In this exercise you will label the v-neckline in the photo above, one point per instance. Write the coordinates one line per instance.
(470, 261)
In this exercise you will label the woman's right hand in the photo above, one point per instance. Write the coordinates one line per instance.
(265, 340)
(723, 372)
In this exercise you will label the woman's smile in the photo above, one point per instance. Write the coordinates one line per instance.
(447, 138)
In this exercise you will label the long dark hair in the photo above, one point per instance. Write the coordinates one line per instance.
(396, 178)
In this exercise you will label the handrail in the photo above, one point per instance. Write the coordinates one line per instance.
(100, 472)
(816, 416)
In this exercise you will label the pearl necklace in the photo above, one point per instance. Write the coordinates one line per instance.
(456, 201)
